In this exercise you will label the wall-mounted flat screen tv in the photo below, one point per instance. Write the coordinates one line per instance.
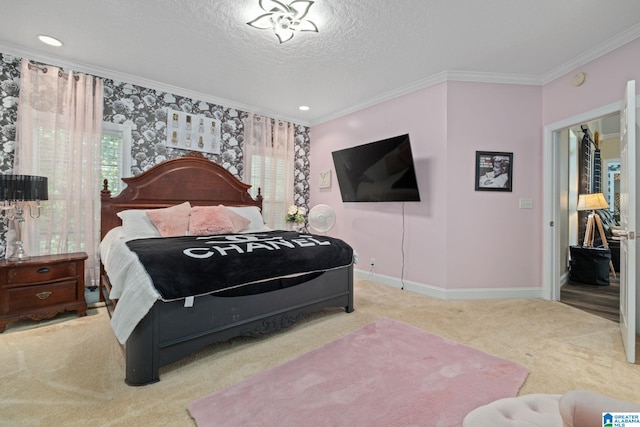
(380, 171)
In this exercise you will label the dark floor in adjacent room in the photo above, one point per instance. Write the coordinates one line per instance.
(603, 301)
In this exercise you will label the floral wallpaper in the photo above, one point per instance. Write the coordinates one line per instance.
(145, 111)
(9, 89)
(301, 166)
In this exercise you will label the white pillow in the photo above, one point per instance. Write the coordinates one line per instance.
(136, 223)
(252, 213)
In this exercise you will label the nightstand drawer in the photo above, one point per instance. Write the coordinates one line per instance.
(41, 287)
(41, 273)
(30, 297)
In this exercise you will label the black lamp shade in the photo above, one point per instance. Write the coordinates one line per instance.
(23, 187)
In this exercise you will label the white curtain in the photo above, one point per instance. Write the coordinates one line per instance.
(268, 164)
(59, 136)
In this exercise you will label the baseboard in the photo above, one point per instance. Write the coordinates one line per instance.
(564, 279)
(450, 294)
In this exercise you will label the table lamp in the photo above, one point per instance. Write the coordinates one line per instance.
(16, 192)
(593, 202)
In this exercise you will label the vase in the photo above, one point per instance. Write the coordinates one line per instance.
(294, 226)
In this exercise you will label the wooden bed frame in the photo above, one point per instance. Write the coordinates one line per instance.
(170, 331)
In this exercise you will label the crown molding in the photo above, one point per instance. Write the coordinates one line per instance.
(386, 96)
(462, 76)
(480, 77)
(107, 73)
(501, 78)
(442, 77)
(619, 40)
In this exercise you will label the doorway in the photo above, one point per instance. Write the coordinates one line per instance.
(560, 196)
(592, 152)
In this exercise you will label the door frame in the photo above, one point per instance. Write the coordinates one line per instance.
(551, 169)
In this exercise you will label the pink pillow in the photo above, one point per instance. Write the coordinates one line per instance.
(207, 220)
(172, 221)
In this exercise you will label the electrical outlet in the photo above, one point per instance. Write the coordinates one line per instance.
(373, 262)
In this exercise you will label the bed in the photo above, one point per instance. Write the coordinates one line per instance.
(166, 330)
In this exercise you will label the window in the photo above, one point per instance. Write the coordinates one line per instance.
(268, 164)
(273, 184)
(115, 164)
(116, 155)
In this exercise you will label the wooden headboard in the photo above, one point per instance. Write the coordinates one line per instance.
(191, 178)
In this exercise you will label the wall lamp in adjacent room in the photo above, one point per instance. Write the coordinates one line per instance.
(16, 193)
(284, 19)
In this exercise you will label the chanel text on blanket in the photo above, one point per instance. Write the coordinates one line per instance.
(223, 245)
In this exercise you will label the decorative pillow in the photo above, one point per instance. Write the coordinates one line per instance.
(208, 220)
(136, 223)
(252, 213)
(172, 221)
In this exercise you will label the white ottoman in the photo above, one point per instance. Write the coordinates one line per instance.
(527, 410)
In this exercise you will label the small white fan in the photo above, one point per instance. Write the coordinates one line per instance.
(322, 218)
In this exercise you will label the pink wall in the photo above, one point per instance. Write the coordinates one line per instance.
(375, 229)
(493, 243)
(457, 238)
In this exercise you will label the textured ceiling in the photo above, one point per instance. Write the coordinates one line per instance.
(365, 51)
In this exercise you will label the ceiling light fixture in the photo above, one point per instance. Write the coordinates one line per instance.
(284, 19)
(303, 108)
(51, 41)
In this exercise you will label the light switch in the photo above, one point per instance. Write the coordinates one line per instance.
(526, 203)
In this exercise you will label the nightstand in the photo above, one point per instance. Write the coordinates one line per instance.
(41, 287)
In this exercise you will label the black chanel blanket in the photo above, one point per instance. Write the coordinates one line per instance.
(197, 265)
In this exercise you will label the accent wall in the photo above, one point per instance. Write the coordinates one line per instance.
(145, 111)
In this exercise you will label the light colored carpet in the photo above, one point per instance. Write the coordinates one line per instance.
(385, 374)
(70, 371)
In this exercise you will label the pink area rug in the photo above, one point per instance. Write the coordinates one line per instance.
(385, 374)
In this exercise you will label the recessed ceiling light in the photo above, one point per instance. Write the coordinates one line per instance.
(303, 108)
(51, 41)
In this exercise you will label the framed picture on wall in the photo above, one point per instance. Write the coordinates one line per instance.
(325, 178)
(494, 171)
